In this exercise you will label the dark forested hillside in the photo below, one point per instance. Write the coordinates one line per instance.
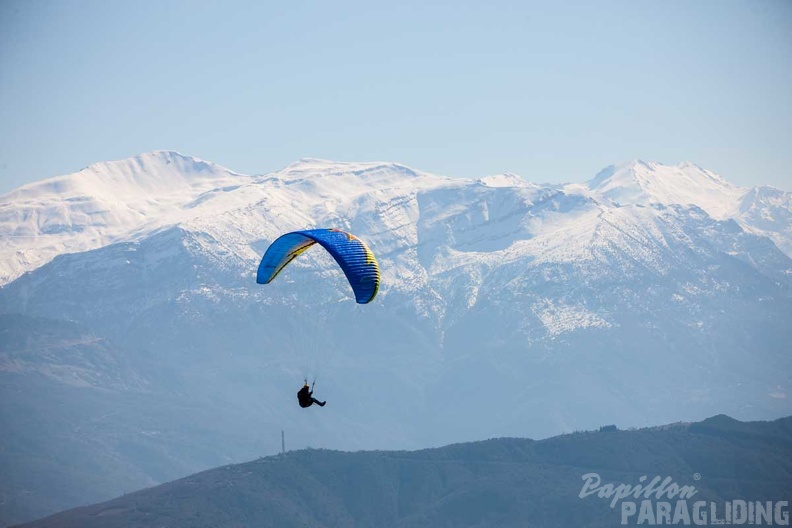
(504, 482)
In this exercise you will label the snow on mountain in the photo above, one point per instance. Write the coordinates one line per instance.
(101, 204)
(685, 184)
(116, 201)
(767, 211)
(502, 180)
(422, 226)
(763, 210)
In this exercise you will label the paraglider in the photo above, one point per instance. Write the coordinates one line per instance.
(353, 256)
(305, 397)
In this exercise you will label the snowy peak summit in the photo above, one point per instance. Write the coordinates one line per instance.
(120, 200)
(331, 178)
(97, 205)
(503, 180)
(157, 174)
(314, 167)
(639, 181)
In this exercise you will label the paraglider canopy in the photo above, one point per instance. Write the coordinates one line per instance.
(352, 255)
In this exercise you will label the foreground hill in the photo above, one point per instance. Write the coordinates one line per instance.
(502, 482)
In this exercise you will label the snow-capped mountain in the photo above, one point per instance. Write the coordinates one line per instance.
(768, 211)
(685, 184)
(101, 204)
(762, 210)
(122, 200)
(649, 294)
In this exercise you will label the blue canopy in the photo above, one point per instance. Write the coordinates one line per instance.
(355, 258)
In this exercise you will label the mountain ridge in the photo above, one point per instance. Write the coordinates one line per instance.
(686, 183)
(70, 217)
(502, 481)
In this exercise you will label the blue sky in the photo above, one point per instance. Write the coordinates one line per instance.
(549, 90)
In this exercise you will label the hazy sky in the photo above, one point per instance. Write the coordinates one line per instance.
(553, 91)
